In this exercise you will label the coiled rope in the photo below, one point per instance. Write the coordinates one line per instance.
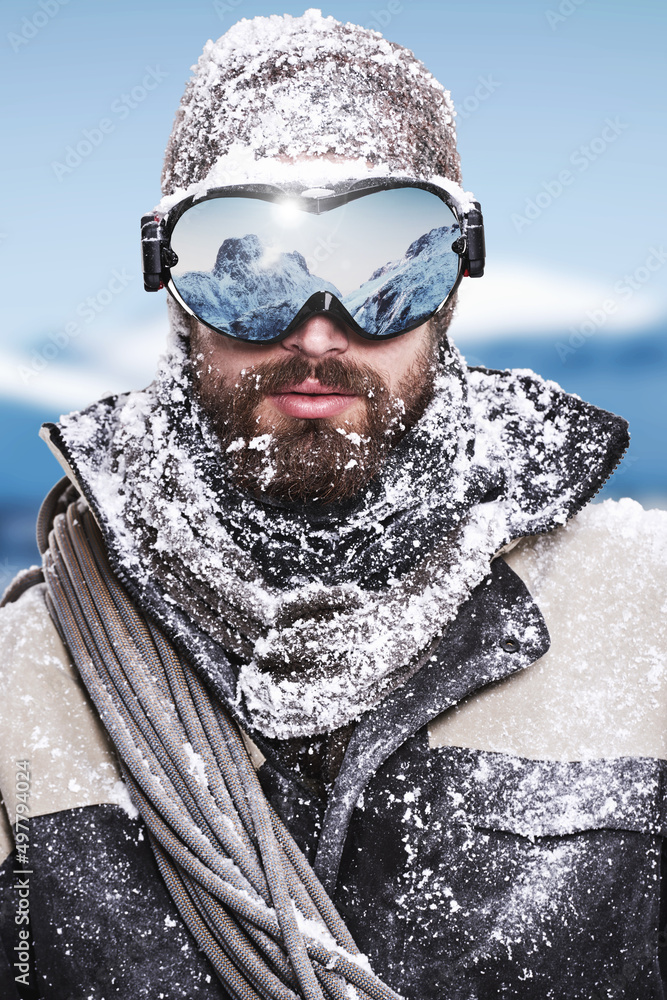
(239, 881)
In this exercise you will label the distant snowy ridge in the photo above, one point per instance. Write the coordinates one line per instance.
(254, 289)
(405, 290)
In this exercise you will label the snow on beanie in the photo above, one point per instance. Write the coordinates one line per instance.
(279, 87)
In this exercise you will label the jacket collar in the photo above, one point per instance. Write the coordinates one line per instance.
(498, 631)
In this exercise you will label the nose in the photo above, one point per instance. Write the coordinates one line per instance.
(317, 337)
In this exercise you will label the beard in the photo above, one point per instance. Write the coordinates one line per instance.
(325, 459)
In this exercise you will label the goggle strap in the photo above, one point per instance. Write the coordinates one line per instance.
(153, 245)
(473, 231)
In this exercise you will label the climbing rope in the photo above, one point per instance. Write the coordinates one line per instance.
(239, 881)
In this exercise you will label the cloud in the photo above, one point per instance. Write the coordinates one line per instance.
(519, 300)
(116, 361)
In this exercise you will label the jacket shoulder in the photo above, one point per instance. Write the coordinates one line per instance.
(46, 717)
(617, 538)
(601, 689)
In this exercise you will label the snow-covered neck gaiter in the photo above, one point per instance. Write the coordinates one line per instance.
(302, 617)
(323, 608)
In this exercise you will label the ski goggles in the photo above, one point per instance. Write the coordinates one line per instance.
(253, 262)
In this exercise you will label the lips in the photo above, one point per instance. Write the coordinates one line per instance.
(310, 400)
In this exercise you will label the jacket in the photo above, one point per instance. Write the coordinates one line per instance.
(496, 828)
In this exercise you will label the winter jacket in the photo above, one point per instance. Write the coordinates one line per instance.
(499, 824)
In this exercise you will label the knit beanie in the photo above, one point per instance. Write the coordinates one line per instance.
(277, 88)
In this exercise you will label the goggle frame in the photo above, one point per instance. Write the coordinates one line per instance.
(158, 257)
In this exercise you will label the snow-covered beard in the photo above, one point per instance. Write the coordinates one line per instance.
(324, 459)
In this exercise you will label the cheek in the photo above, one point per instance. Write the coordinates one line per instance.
(224, 360)
(393, 360)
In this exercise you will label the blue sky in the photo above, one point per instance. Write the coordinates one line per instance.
(539, 92)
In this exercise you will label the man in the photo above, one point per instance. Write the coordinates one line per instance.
(319, 533)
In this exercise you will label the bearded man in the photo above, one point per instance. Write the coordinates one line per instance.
(331, 683)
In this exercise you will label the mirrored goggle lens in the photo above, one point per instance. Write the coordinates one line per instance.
(247, 266)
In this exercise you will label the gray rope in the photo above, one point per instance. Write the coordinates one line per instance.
(240, 883)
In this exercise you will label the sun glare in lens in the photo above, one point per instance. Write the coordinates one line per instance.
(287, 214)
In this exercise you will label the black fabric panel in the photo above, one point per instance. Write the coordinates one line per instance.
(300, 811)
(444, 903)
(498, 631)
(662, 936)
(550, 798)
(446, 907)
(469, 875)
(104, 925)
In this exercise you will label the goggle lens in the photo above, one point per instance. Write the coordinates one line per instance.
(247, 266)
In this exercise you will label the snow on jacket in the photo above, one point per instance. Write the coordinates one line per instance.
(510, 846)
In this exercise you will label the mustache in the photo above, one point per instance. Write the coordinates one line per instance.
(272, 377)
(308, 459)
